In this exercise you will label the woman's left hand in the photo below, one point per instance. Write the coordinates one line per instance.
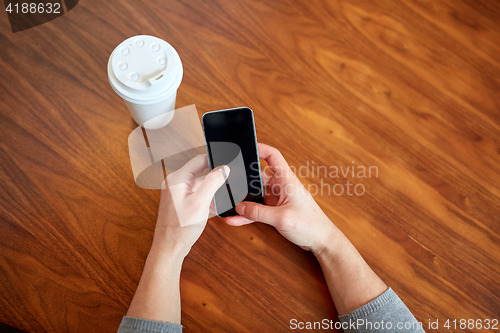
(185, 204)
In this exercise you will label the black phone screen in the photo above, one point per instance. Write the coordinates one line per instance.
(231, 140)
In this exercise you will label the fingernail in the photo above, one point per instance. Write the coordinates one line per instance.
(224, 169)
(240, 209)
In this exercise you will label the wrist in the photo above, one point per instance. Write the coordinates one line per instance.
(162, 251)
(331, 243)
(167, 241)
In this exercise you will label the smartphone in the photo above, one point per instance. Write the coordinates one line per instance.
(231, 140)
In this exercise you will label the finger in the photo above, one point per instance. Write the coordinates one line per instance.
(267, 176)
(258, 212)
(195, 183)
(274, 158)
(211, 209)
(237, 220)
(189, 171)
(211, 184)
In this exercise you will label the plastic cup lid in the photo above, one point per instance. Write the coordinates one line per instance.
(144, 70)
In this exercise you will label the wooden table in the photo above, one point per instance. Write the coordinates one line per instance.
(409, 87)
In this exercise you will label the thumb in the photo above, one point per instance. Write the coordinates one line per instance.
(211, 184)
(261, 213)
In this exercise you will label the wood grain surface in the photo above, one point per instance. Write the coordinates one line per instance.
(410, 87)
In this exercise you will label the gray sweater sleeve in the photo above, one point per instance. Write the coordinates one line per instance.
(136, 325)
(386, 313)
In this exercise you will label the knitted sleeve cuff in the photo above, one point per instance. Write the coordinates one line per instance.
(137, 325)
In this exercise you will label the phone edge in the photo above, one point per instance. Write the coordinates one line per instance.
(256, 148)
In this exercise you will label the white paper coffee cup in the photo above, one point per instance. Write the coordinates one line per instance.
(146, 71)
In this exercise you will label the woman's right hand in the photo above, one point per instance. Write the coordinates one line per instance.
(289, 207)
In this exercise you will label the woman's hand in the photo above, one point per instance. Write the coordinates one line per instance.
(289, 207)
(185, 205)
(295, 214)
